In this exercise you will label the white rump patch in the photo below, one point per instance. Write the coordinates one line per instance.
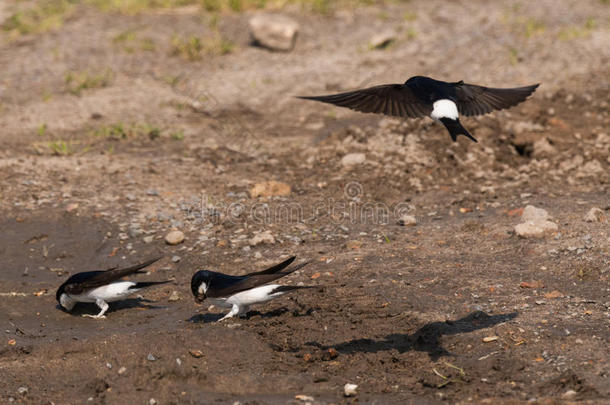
(444, 108)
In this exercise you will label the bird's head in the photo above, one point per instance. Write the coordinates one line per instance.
(200, 284)
(63, 299)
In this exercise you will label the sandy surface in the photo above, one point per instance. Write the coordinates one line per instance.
(457, 308)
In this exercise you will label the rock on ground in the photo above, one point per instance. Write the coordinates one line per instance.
(594, 215)
(407, 220)
(535, 223)
(531, 213)
(270, 189)
(542, 147)
(535, 229)
(349, 390)
(261, 237)
(174, 238)
(353, 159)
(275, 32)
(382, 39)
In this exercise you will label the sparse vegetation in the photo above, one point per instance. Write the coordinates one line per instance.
(42, 17)
(140, 6)
(60, 147)
(130, 42)
(41, 130)
(76, 82)
(578, 31)
(533, 27)
(410, 16)
(121, 131)
(193, 48)
(177, 135)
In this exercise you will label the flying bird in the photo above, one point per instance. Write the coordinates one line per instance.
(239, 292)
(422, 96)
(102, 287)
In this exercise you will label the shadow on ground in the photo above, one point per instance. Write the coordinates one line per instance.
(426, 339)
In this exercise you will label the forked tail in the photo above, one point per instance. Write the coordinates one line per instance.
(455, 128)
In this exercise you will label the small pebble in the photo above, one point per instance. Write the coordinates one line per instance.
(349, 390)
(175, 259)
(174, 238)
(150, 357)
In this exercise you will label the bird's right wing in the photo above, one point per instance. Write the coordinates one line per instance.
(389, 99)
(82, 282)
(276, 268)
(477, 100)
(225, 285)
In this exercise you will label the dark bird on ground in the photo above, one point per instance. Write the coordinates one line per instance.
(422, 96)
(239, 292)
(102, 287)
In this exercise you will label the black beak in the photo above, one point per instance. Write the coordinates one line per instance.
(199, 299)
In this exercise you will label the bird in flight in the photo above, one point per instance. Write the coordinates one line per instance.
(102, 287)
(422, 96)
(239, 292)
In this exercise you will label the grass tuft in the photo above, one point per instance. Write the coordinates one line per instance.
(193, 48)
(76, 82)
(42, 17)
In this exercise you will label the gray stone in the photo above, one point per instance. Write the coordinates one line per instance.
(275, 32)
(353, 159)
(349, 390)
(174, 238)
(407, 220)
(531, 213)
(382, 39)
(535, 229)
(542, 147)
(594, 215)
(262, 237)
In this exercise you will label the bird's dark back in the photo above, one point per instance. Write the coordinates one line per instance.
(430, 90)
(75, 279)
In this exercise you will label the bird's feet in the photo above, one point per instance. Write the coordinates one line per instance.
(94, 316)
(227, 316)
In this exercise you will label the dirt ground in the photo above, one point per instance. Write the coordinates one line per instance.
(113, 134)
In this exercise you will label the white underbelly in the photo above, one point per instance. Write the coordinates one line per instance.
(109, 293)
(444, 108)
(250, 297)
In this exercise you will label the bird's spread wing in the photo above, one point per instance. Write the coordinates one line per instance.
(388, 99)
(81, 282)
(476, 100)
(276, 268)
(225, 285)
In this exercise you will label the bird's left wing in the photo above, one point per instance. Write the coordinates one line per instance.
(81, 282)
(389, 99)
(477, 100)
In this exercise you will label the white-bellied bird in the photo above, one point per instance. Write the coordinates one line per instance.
(422, 96)
(239, 292)
(102, 287)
